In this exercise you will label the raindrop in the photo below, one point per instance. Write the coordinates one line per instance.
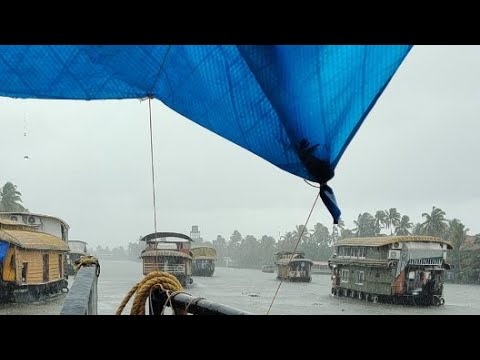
(26, 157)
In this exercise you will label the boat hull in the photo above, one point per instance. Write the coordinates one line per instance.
(11, 293)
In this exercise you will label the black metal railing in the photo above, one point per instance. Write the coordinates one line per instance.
(82, 297)
(192, 305)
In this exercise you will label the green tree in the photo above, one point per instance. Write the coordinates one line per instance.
(249, 254)
(234, 245)
(10, 198)
(472, 262)
(220, 245)
(335, 235)
(135, 249)
(392, 219)
(287, 242)
(320, 243)
(301, 230)
(267, 249)
(404, 226)
(456, 235)
(417, 229)
(365, 225)
(380, 219)
(435, 223)
(346, 233)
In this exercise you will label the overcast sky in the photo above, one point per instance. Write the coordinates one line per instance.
(90, 161)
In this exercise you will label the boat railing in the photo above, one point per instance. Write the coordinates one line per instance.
(191, 305)
(173, 269)
(82, 297)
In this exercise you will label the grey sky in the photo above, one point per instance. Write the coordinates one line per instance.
(90, 163)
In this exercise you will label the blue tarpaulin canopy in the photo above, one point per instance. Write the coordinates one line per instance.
(296, 106)
(3, 250)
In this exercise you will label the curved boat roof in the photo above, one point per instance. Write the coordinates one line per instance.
(204, 252)
(386, 240)
(161, 235)
(297, 253)
(33, 240)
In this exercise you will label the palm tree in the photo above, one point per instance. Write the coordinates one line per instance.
(320, 236)
(392, 219)
(404, 226)
(301, 230)
(344, 232)
(380, 218)
(435, 223)
(287, 241)
(10, 198)
(417, 229)
(365, 225)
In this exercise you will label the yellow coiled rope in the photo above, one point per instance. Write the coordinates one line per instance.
(155, 279)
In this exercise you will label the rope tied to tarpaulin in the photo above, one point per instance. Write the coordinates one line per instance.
(295, 249)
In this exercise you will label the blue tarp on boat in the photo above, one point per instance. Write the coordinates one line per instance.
(3, 250)
(296, 106)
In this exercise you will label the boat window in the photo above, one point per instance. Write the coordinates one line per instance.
(60, 265)
(411, 275)
(46, 268)
(64, 235)
(360, 277)
(24, 272)
(345, 274)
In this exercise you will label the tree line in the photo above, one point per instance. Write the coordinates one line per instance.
(317, 242)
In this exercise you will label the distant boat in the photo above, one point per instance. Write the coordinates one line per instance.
(78, 249)
(269, 268)
(203, 261)
(293, 266)
(169, 252)
(321, 267)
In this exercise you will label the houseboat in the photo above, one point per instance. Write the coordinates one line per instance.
(31, 260)
(320, 267)
(293, 266)
(203, 261)
(78, 249)
(392, 269)
(169, 252)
